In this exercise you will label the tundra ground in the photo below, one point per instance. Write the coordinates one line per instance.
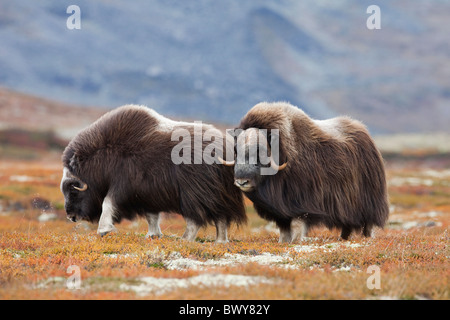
(45, 256)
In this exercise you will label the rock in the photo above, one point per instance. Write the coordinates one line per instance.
(47, 217)
(410, 224)
(40, 203)
(429, 224)
(16, 206)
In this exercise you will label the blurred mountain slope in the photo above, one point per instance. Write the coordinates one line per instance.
(213, 60)
(20, 111)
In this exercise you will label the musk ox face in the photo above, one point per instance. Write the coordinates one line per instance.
(79, 201)
(256, 157)
(247, 177)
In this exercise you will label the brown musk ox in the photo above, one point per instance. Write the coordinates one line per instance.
(327, 172)
(121, 166)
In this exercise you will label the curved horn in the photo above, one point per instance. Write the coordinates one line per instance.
(226, 163)
(83, 188)
(275, 166)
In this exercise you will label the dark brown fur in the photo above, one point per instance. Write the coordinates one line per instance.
(338, 173)
(126, 155)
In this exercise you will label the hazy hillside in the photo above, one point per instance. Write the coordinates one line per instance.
(213, 60)
(22, 111)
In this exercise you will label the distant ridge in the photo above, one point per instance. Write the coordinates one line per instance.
(213, 60)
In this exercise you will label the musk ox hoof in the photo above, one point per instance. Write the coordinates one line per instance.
(221, 241)
(188, 238)
(104, 232)
(153, 235)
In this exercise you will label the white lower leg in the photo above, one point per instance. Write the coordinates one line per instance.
(285, 235)
(191, 230)
(106, 222)
(221, 229)
(299, 230)
(153, 225)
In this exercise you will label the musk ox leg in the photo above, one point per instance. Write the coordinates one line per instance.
(345, 233)
(299, 229)
(285, 234)
(221, 229)
(153, 225)
(191, 230)
(367, 231)
(106, 223)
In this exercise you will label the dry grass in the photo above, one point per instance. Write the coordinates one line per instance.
(412, 252)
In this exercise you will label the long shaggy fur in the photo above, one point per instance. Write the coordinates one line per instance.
(127, 155)
(335, 174)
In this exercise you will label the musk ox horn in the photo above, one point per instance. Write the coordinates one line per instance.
(275, 166)
(226, 163)
(83, 188)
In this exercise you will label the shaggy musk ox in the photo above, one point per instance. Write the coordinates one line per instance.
(121, 167)
(329, 172)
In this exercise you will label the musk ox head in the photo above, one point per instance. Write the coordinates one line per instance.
(80, 201)
(256, 157)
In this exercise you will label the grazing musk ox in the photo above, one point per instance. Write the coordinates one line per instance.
(121, 167)
(331, 172)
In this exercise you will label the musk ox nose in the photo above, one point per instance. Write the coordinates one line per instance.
(242, 182)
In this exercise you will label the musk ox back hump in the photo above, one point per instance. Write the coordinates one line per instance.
(123, 129)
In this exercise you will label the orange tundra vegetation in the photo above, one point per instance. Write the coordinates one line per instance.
(38, 244)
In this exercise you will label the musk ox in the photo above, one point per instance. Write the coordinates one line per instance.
(329, 172)
(121, 167)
